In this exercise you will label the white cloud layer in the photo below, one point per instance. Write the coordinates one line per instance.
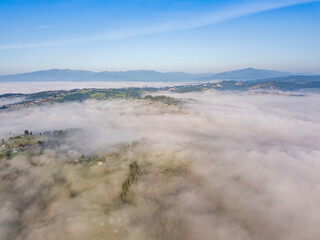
(257, 156)
(33, 87)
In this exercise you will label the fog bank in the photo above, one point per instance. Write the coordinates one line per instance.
(33, 87)
(226, 166)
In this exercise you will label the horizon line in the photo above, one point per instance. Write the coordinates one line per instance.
(151, 70)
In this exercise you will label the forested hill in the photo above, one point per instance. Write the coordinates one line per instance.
(79, 95)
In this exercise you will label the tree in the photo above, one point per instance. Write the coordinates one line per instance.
(26, 132)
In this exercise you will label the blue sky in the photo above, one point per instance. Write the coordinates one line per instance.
(163, 35)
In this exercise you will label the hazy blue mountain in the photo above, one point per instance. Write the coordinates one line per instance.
(140, 75)
(147, 76)
(50, 75)
(247, 74)
(78, 76)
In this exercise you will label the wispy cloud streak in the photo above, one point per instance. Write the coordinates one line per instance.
(176, 22)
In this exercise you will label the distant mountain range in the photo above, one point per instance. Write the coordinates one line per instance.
(247, 74)
(84, 76)
(66, 75)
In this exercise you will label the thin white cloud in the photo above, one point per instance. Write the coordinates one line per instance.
(44, 26)
(176, 23)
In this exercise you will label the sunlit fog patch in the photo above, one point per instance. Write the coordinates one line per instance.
(33, 87)
(225, 166)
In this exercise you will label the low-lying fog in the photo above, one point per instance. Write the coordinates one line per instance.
(8, 100)
(32, 87)
(253, 162)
